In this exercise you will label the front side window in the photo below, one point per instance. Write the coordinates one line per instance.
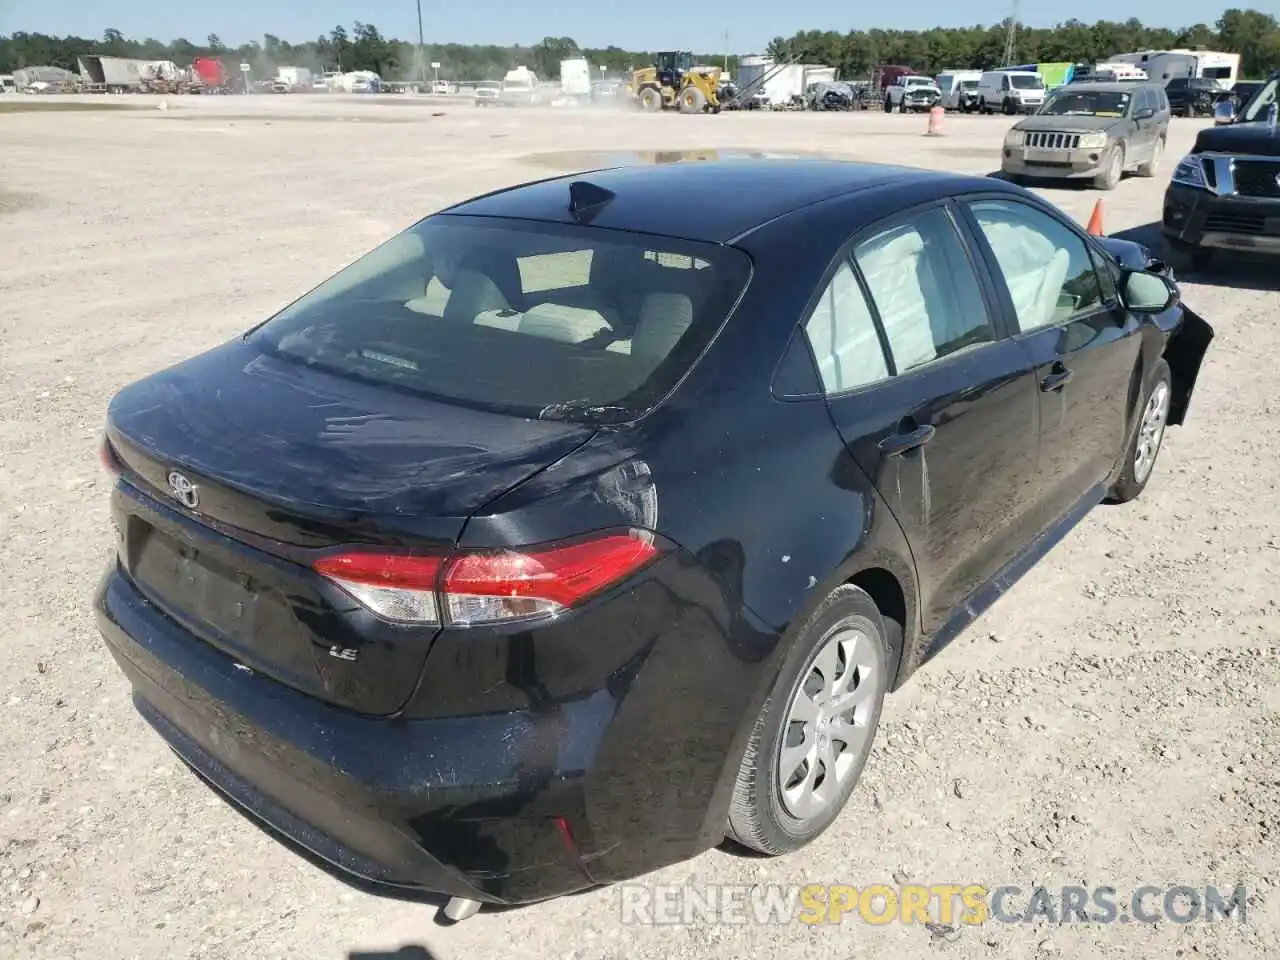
(533, 320)
(842, 335)
(924, 289)
(1256, 108)
(1046, 267)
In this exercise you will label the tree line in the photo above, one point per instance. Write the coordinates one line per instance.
(1251, 33)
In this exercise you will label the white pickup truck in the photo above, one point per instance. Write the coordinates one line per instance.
(912, 94)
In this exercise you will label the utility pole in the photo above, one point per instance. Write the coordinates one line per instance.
(726, 51)
(422, 56)
(1011, 38)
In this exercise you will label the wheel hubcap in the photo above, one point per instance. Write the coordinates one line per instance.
(829, 722)
(1151, 431)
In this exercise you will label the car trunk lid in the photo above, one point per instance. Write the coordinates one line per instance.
(244, 467)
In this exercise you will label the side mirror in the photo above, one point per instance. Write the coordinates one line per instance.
(1144, 292)
(1224, 112)
(1146, 113)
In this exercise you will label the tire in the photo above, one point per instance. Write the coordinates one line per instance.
(1009, 108)
(1184, 258)
(1152, 166)
(650, 100)
(983, 108)
(1190, 111)
(1144, 448)
(1112, 170)
(888, 105)
(692, 100)
(765, 817)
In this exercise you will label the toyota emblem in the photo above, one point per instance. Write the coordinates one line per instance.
(184, 491)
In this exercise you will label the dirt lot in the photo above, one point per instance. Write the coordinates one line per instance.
(1115, 720)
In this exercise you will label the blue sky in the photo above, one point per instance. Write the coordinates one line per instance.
(593, 23)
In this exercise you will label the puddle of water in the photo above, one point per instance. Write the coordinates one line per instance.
(583, 159)
(36, 104)
(11, 202)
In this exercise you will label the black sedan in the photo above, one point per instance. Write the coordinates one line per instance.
(586, 523)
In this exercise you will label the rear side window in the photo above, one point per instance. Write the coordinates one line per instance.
(536, 320)
(924, 290)
(843, 336)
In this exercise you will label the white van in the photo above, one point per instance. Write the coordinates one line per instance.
(1010, 91)
(955, 83)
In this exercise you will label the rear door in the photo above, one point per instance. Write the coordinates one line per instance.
(936, 404)
(1145, 130)
(1084, 345)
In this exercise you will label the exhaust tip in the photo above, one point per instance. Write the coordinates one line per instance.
(460, 908)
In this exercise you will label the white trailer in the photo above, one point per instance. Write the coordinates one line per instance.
(575, 77)
(1163, 65)
(781, 84)
(296, 78)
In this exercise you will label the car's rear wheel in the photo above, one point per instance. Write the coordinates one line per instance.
(888, 105)
(812, 739)
(1140, 460)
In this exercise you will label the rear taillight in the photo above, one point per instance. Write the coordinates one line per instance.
(489, 586)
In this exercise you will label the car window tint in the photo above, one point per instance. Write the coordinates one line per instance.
(924, 290)
(843, 336)
(1045, 265)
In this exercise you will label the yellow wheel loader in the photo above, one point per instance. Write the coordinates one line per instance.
(674, 83)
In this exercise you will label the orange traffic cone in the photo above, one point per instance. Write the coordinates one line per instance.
(1095, 220)
(935, 122)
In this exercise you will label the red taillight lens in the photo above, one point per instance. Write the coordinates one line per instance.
(489, 587)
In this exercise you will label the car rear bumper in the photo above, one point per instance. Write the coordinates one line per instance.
(504, 806)
(1199, 218)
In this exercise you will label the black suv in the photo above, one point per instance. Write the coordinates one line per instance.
(1225, 194)
(1192, 96)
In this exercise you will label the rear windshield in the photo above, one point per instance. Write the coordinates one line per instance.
(536, 320)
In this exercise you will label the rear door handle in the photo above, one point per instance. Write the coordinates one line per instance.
(904, 441)
(1058, 378)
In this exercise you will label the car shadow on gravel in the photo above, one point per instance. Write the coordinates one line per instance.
(411, 951)
(1236, 270)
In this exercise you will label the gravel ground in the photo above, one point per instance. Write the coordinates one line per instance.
(1114, 720)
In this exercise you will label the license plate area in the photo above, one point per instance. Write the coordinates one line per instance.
(193, 586)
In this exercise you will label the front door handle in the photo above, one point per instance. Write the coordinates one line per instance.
(906, 440)
(1058, 378)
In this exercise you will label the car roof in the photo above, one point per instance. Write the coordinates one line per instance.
(712, 201)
